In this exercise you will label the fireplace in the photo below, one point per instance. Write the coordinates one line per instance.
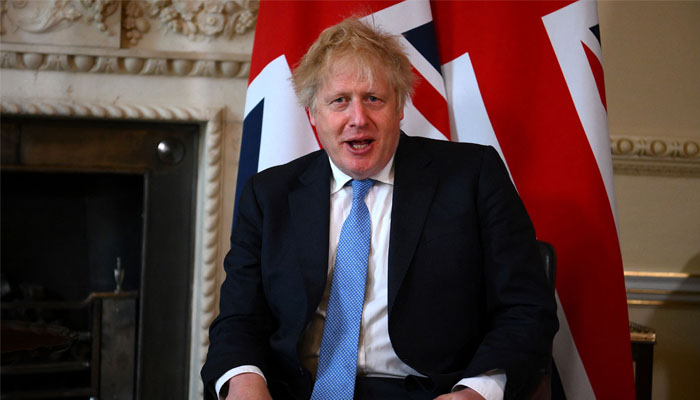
(99, 248)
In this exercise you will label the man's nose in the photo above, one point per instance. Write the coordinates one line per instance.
(358, 115)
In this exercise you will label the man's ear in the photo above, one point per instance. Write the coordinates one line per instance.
(311, 116)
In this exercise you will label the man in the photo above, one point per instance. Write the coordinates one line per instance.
(453, 303)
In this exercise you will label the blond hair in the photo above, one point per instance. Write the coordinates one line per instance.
(371, 49)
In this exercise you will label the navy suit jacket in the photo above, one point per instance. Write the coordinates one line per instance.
(466, 286)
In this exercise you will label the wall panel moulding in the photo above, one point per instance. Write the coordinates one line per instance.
(641, 155)
(662, 288)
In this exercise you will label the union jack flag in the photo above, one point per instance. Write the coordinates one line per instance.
(524, 77)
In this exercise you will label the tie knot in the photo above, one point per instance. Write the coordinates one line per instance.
(360, 188)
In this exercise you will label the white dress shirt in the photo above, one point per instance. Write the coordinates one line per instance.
(375, 356)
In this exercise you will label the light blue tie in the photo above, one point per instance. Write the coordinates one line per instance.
(337, 364)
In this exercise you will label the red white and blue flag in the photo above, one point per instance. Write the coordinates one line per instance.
(525, 77)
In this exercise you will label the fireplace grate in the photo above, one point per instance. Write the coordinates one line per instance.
(90, 355)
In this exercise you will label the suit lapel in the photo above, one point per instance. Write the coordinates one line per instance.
(309, 208)
(414, 186)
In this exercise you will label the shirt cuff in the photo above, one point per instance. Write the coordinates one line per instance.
(490, 385)
(243, 369)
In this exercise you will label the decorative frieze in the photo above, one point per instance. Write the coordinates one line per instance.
(645, 147)
(166, 25)
(61, 22)
(638, 155)
(50, 15)
(172, 65)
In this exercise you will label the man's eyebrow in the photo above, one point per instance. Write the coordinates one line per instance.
(335, 95)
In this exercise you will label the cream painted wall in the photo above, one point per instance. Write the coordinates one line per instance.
(651, 56)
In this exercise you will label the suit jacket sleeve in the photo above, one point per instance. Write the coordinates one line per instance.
(239, 335)
(519, 301)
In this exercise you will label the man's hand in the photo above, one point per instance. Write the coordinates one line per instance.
(248, 386)
(464, 394)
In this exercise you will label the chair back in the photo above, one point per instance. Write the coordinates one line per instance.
(549, 258)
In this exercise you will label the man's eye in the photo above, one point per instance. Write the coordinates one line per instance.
(373, 99)
(338, 100)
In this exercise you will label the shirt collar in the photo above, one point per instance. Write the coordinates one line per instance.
(340, 179)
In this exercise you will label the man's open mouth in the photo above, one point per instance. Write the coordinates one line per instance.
(359, 144)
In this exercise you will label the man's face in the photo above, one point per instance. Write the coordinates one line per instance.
(357, 121)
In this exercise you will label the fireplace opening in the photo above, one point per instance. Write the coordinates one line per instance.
(97, 252)
(62, 233)
(65, 237)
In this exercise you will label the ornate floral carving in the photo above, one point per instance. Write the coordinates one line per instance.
(196, 19)
(52, 15)
(99, 10)
(135, 22)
